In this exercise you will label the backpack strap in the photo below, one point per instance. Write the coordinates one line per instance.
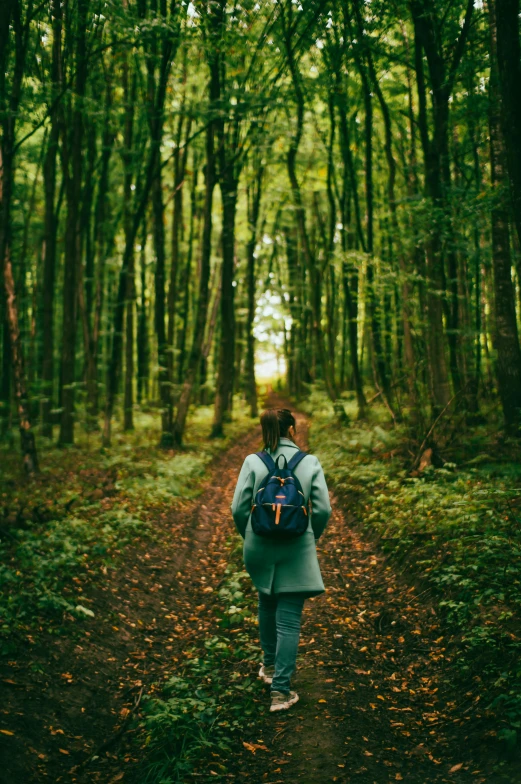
(267, 460)
(295, 460)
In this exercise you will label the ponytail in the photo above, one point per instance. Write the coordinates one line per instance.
(270, 429)
(276, 424)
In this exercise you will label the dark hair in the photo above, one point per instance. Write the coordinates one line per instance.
(275, 424)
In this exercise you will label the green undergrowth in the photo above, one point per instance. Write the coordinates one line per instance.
(193, 723)
(61, 532)
(456, 529)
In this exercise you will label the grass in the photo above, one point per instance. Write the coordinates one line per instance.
(457, 529)
(73, 522)
(198, 714)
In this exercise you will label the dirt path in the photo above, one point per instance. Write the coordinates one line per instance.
(71, 698)
(378, 702)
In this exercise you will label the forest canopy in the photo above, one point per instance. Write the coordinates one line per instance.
(341, 179)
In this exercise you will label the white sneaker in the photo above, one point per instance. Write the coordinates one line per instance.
(266, 673)
(281, 701)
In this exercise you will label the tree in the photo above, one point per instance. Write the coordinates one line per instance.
(11, 16)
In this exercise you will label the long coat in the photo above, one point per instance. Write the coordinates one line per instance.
(282, 566)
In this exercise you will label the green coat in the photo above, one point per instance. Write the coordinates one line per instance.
(281, 566)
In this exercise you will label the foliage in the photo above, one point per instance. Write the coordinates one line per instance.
(83, 513)
(203, 709)
(456, 529)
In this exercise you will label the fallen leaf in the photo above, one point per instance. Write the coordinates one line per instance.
(63, 751)
(7, 732)
(456, 767)
(254, 746)
(322, 700)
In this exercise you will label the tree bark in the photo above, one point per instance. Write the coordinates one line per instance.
(11, 15)
(186, 274)
(254, 202)
(72, 141)
(5, 378)
(128, 400)
(509, 67)
(142, 325)
(129, 92)
(348, 277)
(227, 135)
(506, 338)
(225, 373)
(194, 359)
(180, 159)
(91, 304)
(50, 230)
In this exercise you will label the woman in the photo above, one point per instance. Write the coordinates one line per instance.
(284, 571)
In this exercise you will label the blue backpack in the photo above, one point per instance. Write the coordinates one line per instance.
(280, 509)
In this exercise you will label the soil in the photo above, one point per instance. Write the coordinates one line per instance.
(381, 699)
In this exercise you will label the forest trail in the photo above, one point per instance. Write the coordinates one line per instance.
(376, 699)
(378, 702)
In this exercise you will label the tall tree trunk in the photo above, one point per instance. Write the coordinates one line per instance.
(50, 231)
(254, 201)
(370, 83)
(194, 359)
(349, 278)
(72, 142)
(440, 392)
(225, 373)
(11, 16)
(506, 338)
(129, 91)
(128, 401)
(185, 282)
(509, 66)
(180, 159)
(159, 304)
(114, 364)
(142, 325)
(91, 310)
(5, 378)
(228, 157)
(372, 303)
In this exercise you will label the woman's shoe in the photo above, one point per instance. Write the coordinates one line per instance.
(281, 701)
(266, 673)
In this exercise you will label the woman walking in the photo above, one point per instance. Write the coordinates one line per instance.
(282, 564)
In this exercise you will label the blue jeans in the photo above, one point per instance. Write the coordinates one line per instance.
(279, 629)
